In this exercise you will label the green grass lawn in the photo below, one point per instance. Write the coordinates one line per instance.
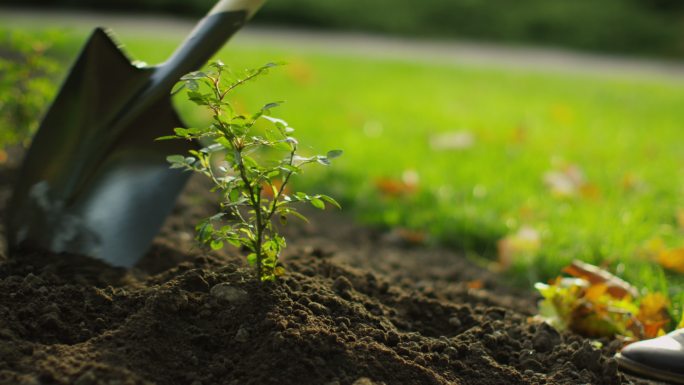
(624, 134)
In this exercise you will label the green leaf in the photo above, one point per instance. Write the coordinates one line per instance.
(270, 106)
(334, 154)
(290, 169)
(204, 231)
(191, 85)
(216, 217)
(177, 88)
(302, 196)
(175, 159)
(216, 245)
(297, 214)
(330, 200)
(212, 148)
(179, 161)
(291, 140)
(317, 203)
(197, 75)
(185, 132)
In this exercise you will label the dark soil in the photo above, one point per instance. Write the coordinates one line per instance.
(356, 307)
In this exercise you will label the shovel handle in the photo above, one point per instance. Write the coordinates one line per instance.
(250, 6)
(226, 18)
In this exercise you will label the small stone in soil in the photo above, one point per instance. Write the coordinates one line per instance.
(363, 381)
(342, 285)
(455, 322)
(242, 335)
(228, 293)
(545, 338)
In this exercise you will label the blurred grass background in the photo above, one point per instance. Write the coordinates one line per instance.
(649, 27)
(620, 134)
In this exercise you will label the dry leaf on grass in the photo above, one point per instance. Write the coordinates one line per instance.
(457, 140)
(653, 314)
(407, 185)
(672, 259)
(596, 303)
(523, 243)
(569, 181)
(615, 286)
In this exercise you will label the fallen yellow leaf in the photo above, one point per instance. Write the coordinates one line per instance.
(562, 113)
(653, 314)
(300, 71)
(672, 259)
(595, 292)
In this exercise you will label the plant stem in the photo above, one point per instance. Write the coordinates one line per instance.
(260, 232)
(255, 201)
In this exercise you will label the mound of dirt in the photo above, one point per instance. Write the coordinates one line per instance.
(356, 307)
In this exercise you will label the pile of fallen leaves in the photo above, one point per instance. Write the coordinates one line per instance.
(595, 303)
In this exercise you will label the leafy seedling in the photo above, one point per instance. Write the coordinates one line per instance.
(250, 159)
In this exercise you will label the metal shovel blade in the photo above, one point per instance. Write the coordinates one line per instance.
(94, 181)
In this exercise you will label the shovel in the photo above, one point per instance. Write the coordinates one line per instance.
(94, 182)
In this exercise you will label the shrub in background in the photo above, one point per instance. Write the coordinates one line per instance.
(27, 84)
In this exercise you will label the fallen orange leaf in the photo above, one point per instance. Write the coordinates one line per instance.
(408, 185)
(616, 287)
(393, 187)
(413, 237)
(476, 284)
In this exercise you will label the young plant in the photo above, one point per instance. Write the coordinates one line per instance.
(250, 158)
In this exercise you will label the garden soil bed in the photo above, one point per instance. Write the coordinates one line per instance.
(358, 306)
